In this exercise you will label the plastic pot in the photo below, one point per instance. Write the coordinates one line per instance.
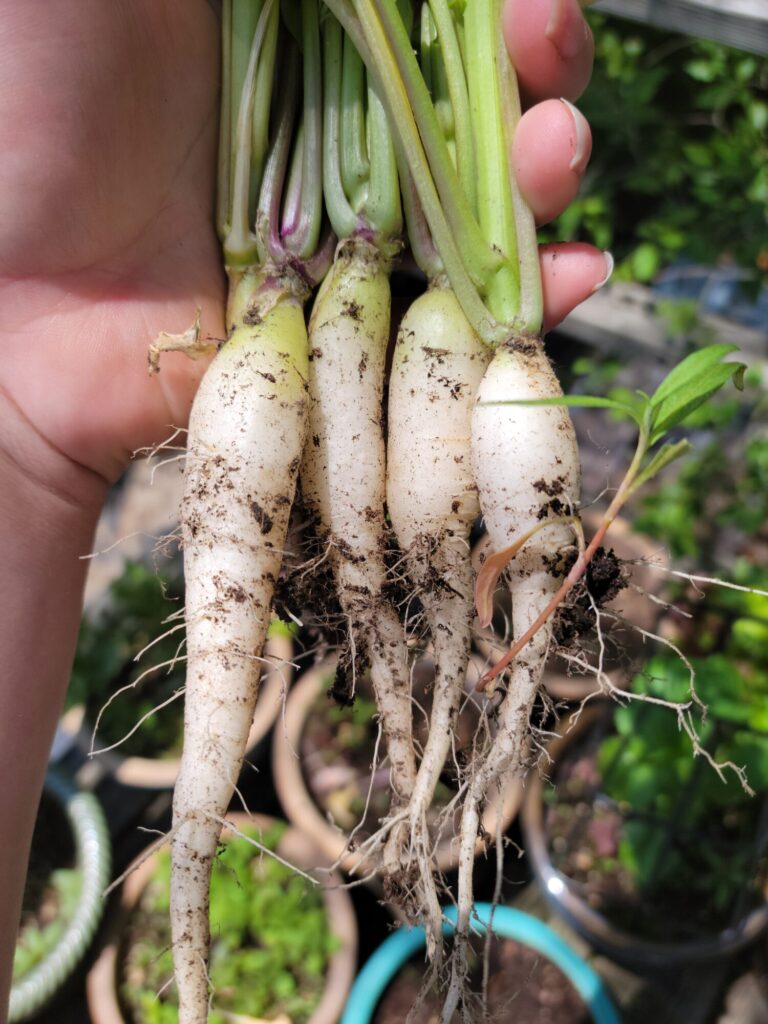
(561, 892)
(85, 818)
(508, 923)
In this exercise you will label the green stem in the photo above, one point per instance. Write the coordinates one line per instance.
(260, 131)
(386, 34)
(342, 217)
(531, 296)
(245, 18)
(240, 248)
(382, 203)
(376, 52)
(482, 24)
(437, 82)
(354, 155)
(225, 124)
(457, 87)
(307, 237)
(419, 235)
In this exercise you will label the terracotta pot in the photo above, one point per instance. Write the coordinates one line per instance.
(632, 604)
(563, 896)
(159, 772)
(300, 805)
(103, 979)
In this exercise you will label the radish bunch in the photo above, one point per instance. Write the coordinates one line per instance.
(316, 165)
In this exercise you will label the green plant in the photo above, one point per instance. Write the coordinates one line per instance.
(680, 164)
(270, 939)
(356, 723)
(133, 616)
(686, 825)
(723, 484)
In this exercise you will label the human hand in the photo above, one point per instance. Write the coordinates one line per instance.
(108, 141)
(107, 163)
(552, 48)
(107, 158)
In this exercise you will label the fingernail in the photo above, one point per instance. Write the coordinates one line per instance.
(609, 264)
(582, 148)
(566, 28)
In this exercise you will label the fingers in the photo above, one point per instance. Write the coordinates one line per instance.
(550, 153)
(570, 273)
(551, 47)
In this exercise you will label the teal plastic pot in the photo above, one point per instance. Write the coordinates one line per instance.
(508, 923)
(37, 987)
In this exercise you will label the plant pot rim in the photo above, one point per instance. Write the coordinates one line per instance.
(93, 858)
(102, 980)
(620, 945)
(508, 923)
(300, 806)
(161, 773)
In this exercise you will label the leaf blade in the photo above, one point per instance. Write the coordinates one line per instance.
(690, 367)
(573, 401)
(677, 405)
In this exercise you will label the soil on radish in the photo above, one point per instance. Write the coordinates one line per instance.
(523, 987)
(605, 578)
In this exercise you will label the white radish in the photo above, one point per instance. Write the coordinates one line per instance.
(246, 434)
(343, 480)
(527, 469)
(432, 499)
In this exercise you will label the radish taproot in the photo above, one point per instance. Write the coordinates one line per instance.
(438, 364)
(495, 276)
(246, 436)
(432, 499)
(343, 470)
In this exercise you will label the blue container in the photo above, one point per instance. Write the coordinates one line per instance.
(508, 923)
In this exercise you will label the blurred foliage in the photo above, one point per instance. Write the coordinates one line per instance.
(134, 615)
(680, 158)
(684, 820)
(685, 830)
(270, 940)
(41, 932)
(141, 614)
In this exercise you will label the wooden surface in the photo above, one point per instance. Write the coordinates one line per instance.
(739, 23)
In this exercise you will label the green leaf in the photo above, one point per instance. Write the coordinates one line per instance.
(689, 367)
(690, 384)
(680, 405)
(577, 401)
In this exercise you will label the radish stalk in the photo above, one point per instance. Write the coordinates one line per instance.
(246, 435)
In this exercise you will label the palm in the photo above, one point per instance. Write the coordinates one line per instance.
(107, 154)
